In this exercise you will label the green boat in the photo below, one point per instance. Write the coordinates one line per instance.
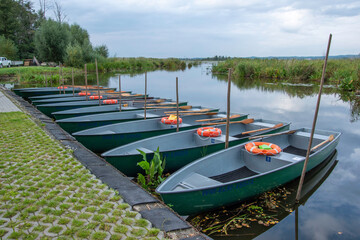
(26, 93)
(184, 147)
(48, 109)
(83, 98)
(92, 92)
(81, 123)
(104, 138)
(32, 92)
(234, 174)
(102, 109)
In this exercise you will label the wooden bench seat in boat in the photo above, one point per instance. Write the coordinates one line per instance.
(135, 151)
(196, 180)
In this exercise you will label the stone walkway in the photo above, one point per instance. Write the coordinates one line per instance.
(6, 105)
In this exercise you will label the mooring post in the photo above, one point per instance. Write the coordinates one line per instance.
(145, 95)
(72, 78)
(228, 111)
(97, 80)
(86, 87)
(314, 123)
(59, 77)
(177, 104)
(119, 93)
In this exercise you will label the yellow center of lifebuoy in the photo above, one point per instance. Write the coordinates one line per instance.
(172, 117)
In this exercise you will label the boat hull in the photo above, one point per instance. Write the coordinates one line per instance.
(204, 199)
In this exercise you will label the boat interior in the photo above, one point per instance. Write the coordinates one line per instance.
(237, 163)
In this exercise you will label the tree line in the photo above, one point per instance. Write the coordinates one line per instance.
(25, 33)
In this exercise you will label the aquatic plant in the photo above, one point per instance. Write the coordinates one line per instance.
(153, 171)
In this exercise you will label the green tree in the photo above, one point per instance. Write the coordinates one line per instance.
(74, 55)
(51, 41)
(17, 23)
(102, 50)
(8, 48)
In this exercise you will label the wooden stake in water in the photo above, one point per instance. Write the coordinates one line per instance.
(86, 87)
(228, 111)
(72, 78)
(62, 79)
(97, 80)
(314, 123)
(177, 104)
(145, 95)
(119, 93)
(59, 77)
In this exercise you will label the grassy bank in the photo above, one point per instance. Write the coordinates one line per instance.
(36, 75)
(343, 72)
(131, 65)
(45, 193)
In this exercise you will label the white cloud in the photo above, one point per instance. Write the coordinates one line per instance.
(219, 27)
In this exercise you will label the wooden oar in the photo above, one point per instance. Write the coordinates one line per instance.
(274, 134)
(202, 110)
(217, 119)
(245, 121)
(196, 113)
(331, 137)
(161, 104)
(263, 129)
(182, 107)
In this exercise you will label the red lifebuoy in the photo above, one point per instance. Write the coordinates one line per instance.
(253, 147)
(209, 132)
(95, 97)
(171, 120)
(84, 94)
(110, 101)
(62, 87)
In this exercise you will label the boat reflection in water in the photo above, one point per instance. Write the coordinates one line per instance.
(312, 182)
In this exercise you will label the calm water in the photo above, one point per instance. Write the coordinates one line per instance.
(333, 210)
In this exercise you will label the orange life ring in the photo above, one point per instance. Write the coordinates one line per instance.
(209, 132)
(95, 97)
(253, 147)
(110, 101)
(171, 120)
(84, 93)
(62, 87)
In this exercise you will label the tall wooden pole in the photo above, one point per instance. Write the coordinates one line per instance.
(177, 104)
(86, 87)
(97, 80)
(314, 123)
(46, 81)
(119, 93)
(62, 78)
(72, 78)
(145, 95)
(228, 111)
(59, 77)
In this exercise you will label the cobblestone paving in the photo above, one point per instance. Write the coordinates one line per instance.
(45, 193)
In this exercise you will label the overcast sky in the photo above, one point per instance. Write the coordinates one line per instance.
(203, 28)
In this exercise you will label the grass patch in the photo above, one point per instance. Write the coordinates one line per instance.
(40, 179)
